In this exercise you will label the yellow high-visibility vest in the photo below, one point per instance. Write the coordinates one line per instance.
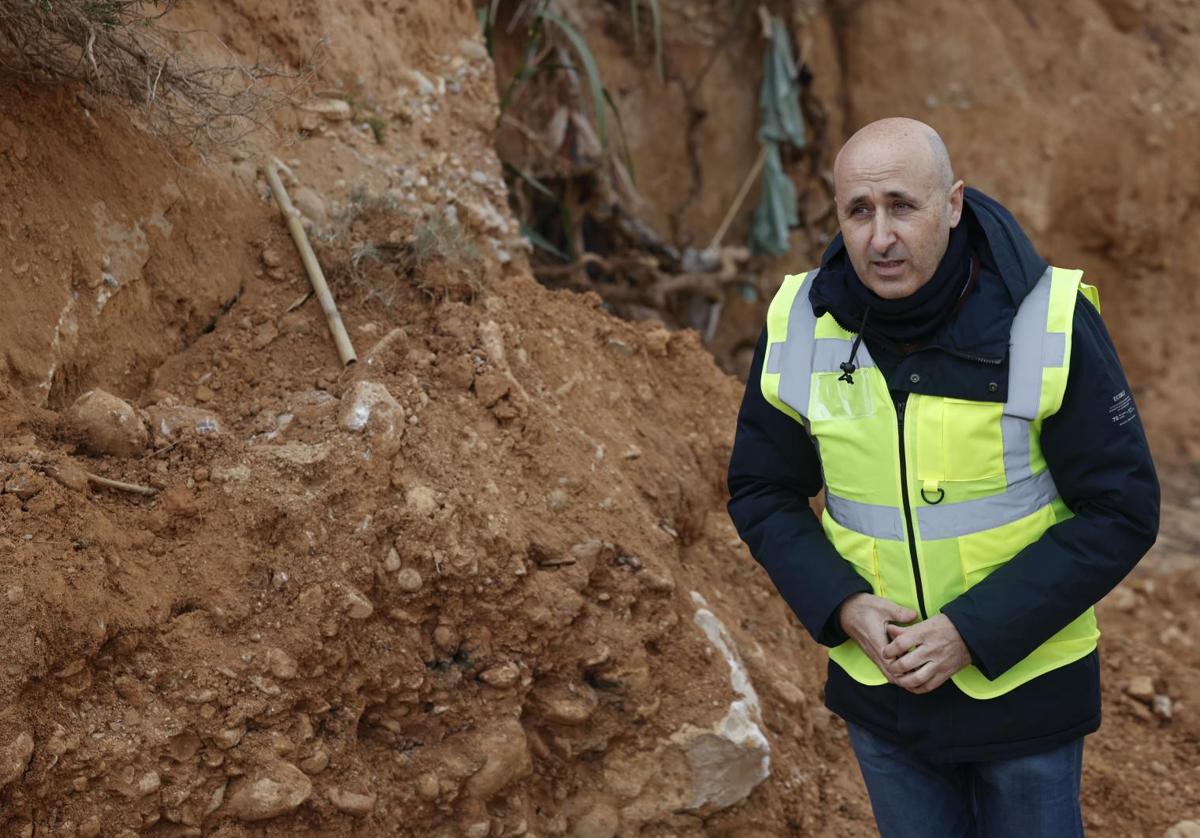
(926, 504)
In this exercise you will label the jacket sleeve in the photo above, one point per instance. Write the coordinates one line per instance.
(1097, 453)
(773, 473)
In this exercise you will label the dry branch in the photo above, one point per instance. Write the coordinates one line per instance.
(121, 485)
(636, 278)
(117, 48)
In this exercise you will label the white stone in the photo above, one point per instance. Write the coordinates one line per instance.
(473, 49)
(14, 758)
(357, 606)
(369, 406)
(310, 204)
(296, 453)
(171, 420)
(424, 86)
(392, 562)
(282, 665)
(505, 749)
(705, 765)
(269, 793)
(422, 500)
(352, 803)
(108, 425)
(1141, 687)
(409, 580)
(335, 110)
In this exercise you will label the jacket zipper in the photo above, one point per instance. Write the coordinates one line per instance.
(901, 403)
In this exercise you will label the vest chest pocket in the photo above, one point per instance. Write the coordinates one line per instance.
(834, 399)
(959, 440)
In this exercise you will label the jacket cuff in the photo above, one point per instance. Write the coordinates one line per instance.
(832, 634)
(991, 668)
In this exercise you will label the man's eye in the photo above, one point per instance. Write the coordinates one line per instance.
(903, 205)
(859, 210)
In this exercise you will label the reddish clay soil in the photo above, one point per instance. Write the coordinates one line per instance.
(458, 589)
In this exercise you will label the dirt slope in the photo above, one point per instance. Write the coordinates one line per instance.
(482, 584)
(1080, 116)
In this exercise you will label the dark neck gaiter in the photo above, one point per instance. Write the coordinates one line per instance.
(898, 325)
(912, 319)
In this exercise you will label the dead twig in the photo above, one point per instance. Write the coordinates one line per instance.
(120, 485)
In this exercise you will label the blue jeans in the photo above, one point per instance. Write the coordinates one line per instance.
(1031, 797)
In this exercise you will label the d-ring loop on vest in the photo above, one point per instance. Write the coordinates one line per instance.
(940, 495)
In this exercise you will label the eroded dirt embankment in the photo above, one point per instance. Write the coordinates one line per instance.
(482, 584)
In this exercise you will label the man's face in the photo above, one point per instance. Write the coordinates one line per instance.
(895, 214)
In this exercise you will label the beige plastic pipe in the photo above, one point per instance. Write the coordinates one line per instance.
(315, 275)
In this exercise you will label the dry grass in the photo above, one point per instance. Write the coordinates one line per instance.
(118, 48)
(383, 254)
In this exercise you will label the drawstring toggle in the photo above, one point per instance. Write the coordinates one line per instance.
(848, 366)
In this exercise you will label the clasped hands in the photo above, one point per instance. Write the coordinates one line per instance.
(918, 657)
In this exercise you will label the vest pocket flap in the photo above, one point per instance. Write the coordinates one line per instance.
(972, 442)
(982, 552)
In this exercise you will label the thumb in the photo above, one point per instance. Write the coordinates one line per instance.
(894, 630)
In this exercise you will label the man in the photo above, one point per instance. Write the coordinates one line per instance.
(987, 480)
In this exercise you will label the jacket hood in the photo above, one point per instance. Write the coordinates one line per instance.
(1013, 256)
(1009, 269)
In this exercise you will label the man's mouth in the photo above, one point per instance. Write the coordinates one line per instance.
(888, 267)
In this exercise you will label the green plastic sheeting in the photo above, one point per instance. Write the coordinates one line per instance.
(782, 122)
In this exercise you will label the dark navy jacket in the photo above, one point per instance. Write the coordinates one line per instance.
(1097, 453)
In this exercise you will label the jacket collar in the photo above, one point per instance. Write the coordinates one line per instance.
(1009, 268)
(968, 356)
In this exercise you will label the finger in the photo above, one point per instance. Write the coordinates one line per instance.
(907, 663)
(871, 646)
(938, 678)
(887, 673)
(902, 643)
(915, 679)
(936, 681)
(877, 659)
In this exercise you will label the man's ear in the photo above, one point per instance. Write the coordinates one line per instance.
(955, 200)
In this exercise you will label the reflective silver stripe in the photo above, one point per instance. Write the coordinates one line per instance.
(831, 353)
(774, 358)
(1054, 349)
(1029, 347)
(870, 519)
(1018, 463)
(953, 520)
(795, 355)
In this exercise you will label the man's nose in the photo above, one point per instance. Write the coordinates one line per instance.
(882, 234)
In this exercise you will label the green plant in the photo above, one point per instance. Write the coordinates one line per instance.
(656, 25)
(363, 111)
(378, 128)
(600, 96)
(557, 82)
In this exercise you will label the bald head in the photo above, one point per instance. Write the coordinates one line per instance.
(909, 139)
(897, 201)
